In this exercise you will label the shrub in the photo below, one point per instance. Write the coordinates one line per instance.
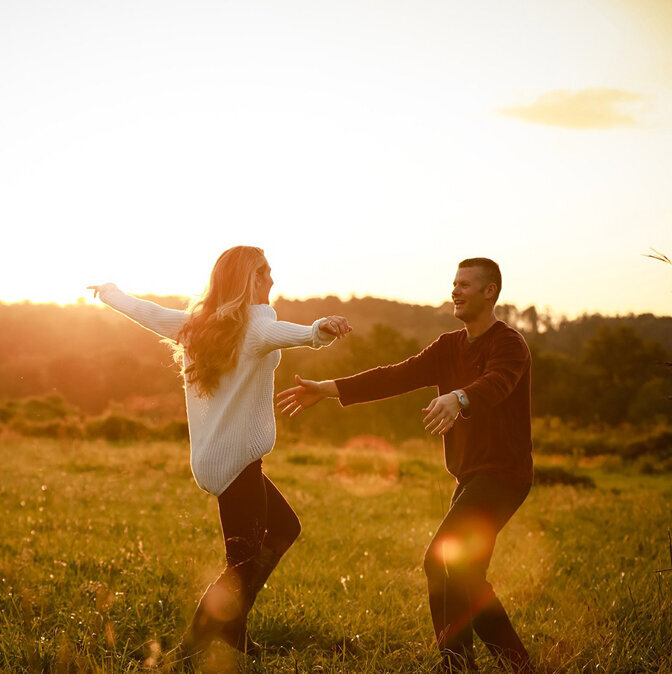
(306, 459)
(46, 409)
(117, 428)
(646, 467)
(7, 411)
(551, 475)
(173, 430)
(60, 429)
(658, 444)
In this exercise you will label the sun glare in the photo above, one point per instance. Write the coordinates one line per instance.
(365, 156)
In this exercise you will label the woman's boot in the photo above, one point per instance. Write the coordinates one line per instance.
(220, 611)
(237, 636)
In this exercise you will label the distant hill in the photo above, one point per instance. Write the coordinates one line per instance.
(93, 357)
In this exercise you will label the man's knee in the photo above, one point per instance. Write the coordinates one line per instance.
(433, 564)
(451, 555)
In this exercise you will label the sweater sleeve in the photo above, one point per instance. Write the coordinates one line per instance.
(416, 372)
(164, 322)
(508, 361)
(268, 334)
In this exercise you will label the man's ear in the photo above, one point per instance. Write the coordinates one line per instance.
(490, 291)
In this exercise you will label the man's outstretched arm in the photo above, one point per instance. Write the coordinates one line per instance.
(416, 372)
(306, 394)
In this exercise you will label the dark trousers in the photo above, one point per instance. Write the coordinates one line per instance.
(456, 562)
(254, 513)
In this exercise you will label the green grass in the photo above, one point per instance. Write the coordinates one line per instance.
(105, 549)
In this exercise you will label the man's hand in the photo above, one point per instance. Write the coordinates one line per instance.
(441, 414)
(96, 290)
(335, 325)
(308, 392)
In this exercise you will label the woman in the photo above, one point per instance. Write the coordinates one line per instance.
(228, 344)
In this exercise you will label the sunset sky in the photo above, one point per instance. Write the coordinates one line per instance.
(366, 146)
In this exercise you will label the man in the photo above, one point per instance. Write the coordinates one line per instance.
(483, 413)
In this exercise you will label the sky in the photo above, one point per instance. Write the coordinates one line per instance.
(367, 146)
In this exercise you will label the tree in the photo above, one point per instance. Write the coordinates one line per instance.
(618, 363)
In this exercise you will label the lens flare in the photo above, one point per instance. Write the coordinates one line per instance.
(367, 466)
(470, 543)
(451, 551)
(221, 600)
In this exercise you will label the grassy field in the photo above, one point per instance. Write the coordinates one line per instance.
(105, 549)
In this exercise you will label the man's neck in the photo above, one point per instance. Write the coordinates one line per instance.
(480, 325)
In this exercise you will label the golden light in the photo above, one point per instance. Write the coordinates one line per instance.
(350, 125)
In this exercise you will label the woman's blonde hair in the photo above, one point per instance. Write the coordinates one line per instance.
(212, 335)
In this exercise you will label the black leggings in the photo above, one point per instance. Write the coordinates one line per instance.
(253, 513)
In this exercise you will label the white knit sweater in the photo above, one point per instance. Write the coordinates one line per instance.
(235, 426)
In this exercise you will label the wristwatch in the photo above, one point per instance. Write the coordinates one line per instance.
(462, 399)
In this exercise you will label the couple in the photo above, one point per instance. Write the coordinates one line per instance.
(228, 343)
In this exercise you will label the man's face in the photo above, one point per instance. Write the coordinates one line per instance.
(472, 295)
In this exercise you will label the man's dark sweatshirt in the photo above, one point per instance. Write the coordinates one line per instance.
(494, 433)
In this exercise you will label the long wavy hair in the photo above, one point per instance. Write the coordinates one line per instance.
(212, 335)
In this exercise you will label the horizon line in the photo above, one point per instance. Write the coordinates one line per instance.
(543, 311)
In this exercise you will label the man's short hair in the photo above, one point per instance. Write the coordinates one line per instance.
(491, 272)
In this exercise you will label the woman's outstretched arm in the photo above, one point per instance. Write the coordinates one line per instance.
(164, 322)
(269, 334)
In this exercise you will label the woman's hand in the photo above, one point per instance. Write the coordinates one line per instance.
(101, 288)
(308, 392)
(335, 325)
(441, 414)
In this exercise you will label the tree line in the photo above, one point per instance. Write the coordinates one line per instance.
(592, 369)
